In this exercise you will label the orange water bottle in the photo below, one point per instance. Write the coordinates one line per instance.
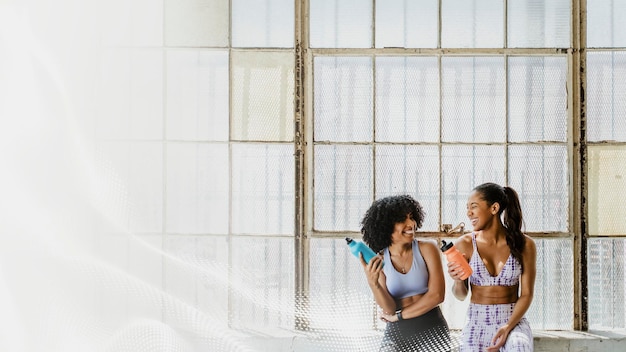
(454, 256)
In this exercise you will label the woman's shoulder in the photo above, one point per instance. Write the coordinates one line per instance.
(464, 242)
(426, 243)
(466, 238)
(530, 244)
(428, 248)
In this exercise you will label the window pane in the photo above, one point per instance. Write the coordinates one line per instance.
(262, 283)
(197, 188)
(412, 170)
(343, 186)
(473, 99)
(539, 174)
(607, 260)
(340, 23)
(539, 23)
(407, 24)
(552, 305)
(263, 23)
(131, 82)
(196, 23)
(607, 187)
(407, 99)
(472, 24)
(343, 99)
(197, 95)
(605, 23)
(196, 272)
(262, 189)
(129, 23)
(262, 95)
(606, 107)
(341, 296)
(537, 99)
(133, 171)
(463, 168)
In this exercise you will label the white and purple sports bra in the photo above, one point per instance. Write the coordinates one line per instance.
(508, 276)
(414, 282)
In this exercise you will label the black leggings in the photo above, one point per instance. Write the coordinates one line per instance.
(428, 332)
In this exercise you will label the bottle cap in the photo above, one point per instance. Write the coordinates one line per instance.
(348, 239)
(445, 246)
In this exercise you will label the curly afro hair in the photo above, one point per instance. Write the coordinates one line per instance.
(380, 219)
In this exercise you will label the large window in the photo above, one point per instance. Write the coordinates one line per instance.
(236, 144)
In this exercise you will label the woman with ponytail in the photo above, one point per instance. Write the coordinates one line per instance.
(503, 260)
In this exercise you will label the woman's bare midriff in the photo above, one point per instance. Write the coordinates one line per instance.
(494, 294)
(404, 302)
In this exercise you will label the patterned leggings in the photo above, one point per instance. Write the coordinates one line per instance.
(484, 320)
(427, 333)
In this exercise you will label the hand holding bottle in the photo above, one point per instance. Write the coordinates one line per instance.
(458, 267)
(372, 263)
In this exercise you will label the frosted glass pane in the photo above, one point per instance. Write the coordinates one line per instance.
(407, 99)
(537, 99)
(606, 107)
(407, 24)
(607, 186)
(606, 277)
(197, 188)
(552, 305)
(463, 168)
(197, 95)
(340, 289)
(262, 283)
(131, 83)
(540, 176)
(262, 96)
(412, 170)
(262, 24)
(343, 99)
(343, 186)
(473, 99)
(472, 23)
(196, 23)
(131, 22)
(135, 171)
(539, 23)
(196, 275)
(605, 23)
(340, 23)
(262, 189)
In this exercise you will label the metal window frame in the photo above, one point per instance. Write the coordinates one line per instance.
(576, 143)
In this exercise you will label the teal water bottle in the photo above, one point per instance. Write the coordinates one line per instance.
(357, 247)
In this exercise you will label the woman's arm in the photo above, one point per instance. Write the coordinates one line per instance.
(529, 258)
(460, 287)
(378, 283)
(436, 283)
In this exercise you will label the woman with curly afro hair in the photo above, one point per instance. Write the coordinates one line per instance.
(406, 277)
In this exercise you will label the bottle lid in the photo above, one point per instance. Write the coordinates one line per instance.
(445, 246)
(348, 240)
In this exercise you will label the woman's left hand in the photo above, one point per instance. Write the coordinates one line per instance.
(499, 339)
(388, 317)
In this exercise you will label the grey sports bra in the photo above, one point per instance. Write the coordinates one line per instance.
(414, 282)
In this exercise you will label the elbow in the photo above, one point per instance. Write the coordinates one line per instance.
(439, 296)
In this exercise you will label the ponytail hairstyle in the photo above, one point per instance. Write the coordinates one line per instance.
(510, 213)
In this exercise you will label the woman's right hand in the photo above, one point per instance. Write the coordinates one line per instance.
(372, 269)
(455, 271)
